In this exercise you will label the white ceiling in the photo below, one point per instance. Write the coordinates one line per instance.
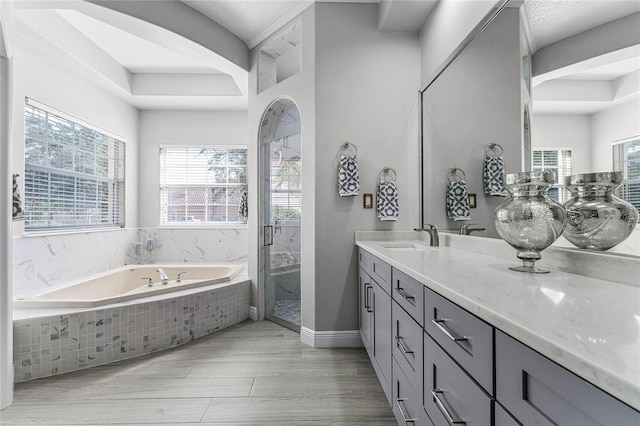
(252, 21)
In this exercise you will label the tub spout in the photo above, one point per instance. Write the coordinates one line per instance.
(163, 276)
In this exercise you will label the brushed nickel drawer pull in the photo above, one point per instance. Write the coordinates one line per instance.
(403, 348)
(443, 409)
(404, 416)
(438, 323)
(404, 294)
(367, 297)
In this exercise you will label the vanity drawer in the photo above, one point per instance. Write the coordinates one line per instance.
(538, 391)
(468, 339)
(409, 293)
(364, 260)
(381, 272)
(407, 402)
(450, 396)
(407, 345)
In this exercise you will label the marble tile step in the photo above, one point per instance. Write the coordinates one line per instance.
(265, 409)
(117, 411)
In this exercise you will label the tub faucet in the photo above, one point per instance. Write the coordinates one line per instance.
(432, 230)
(468, 228)
(289, 256)
(163, 276)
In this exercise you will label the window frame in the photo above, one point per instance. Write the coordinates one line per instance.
(163, 213)
(114, 179)
(615, 167)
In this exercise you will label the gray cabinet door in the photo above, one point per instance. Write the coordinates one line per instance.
(407, 402)
(503, 418)
(382, 336)
(468, 339)
(365, 294)
(407, 345)
(409, 293)
(450, 396)
(380, 272)
(537, 391)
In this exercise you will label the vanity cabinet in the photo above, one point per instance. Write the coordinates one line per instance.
(375, 321)
(536, 390)
(440, 365)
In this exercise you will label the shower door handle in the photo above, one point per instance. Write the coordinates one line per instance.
(268, 235)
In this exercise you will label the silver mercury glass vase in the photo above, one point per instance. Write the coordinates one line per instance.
(597, 219)
(529, 220)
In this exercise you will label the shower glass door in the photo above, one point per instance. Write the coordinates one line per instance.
(281, 228)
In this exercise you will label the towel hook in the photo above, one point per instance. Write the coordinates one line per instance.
(387, 171)
(345, 146)
(493, 146)
(453, 174)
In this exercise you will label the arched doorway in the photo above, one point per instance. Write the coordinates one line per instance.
(280, 203)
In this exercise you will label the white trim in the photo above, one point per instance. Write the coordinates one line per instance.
(271, 29)
(253, 313)
(330, 339)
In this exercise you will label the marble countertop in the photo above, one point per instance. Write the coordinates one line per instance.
(589, 326)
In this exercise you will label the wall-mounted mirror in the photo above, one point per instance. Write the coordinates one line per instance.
(555, 83)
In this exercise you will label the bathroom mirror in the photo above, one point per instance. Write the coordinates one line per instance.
(496, 91)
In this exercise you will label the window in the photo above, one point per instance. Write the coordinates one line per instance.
(74, 172)
(286, 194)
(558, 161)
(202, 184)
(626, 159)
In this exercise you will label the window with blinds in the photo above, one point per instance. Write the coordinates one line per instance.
(74, 173)
(626, 159)
(558, 161)
(286, 194)
(202, 184)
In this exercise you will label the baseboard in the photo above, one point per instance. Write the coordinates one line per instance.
(330, 339)
(253, 313)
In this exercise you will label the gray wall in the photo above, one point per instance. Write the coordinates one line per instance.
(366, 93)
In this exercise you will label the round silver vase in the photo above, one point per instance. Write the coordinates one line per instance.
(597, 219)
(529, 220)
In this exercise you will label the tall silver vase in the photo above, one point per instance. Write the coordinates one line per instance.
(597, 219)
(529, 220)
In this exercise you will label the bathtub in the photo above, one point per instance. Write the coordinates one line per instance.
(128, 283)
(115, 315)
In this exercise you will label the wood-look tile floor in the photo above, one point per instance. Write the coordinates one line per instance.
(253, 373)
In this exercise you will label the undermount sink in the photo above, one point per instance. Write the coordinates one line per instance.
(404, 247)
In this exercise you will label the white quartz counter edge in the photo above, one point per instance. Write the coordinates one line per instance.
(587, 325)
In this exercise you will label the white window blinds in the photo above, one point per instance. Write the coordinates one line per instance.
(202, 184)
(558, 161)
(626, 159)
(74, 173)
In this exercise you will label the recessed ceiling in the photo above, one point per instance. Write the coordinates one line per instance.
(610, 71)
(555, 20)
(136, 54)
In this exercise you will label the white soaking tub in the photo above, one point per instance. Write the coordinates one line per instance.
(129, 283)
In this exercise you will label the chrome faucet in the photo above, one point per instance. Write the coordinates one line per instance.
(467, 229)
(432, 230)
(163, 276)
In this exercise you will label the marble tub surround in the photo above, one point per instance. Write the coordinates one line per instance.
(45, 261)
(588, 325)
(57, 341)
(190, 244)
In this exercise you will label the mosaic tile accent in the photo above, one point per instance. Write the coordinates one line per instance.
(57, 344)
(288, 310)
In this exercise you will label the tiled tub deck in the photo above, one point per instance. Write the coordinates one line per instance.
(62, 342)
